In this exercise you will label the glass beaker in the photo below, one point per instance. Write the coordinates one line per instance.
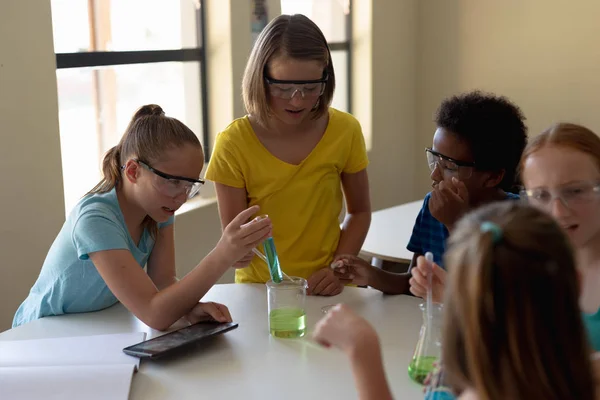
(438, 388)
(287, 315)
(428, 350)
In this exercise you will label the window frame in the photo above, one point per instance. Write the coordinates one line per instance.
(113, 58)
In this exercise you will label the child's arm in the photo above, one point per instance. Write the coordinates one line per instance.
(160, 309)
(358, 212)
(354, 231)
(232, 201)
(361, 273)
(344, 329)
(367, 368)
(161, 263)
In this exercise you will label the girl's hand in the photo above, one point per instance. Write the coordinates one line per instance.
(209, 312)
(343, 329)
(244, 261)
(241, 236)
(418, 282)
(352, 269)
(324, 283)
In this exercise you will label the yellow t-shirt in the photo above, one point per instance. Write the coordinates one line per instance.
(303, 201)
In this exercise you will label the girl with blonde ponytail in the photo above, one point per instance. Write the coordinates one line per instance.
(125, 223)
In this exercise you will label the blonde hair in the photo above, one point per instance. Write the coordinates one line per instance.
(567, 135)
(149, 134)
(512, 324)
(293, 36)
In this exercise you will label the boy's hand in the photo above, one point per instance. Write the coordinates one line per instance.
(352, 269)
(324, 283)
(418, 282)
(449, 201)
(343, 329)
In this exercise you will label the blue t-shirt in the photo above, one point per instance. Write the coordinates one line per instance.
(429, 234)
(69, 282)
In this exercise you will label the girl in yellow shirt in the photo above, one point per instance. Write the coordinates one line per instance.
(293, 155)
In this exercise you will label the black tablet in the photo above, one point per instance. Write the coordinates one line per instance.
(171, 341)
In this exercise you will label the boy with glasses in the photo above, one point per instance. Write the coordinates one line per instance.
(473, 161)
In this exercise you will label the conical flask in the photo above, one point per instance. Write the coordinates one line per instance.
(428, 350)
(438, 388)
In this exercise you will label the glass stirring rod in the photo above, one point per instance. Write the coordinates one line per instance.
(270, 257)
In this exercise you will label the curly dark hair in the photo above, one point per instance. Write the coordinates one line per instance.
(493, 127)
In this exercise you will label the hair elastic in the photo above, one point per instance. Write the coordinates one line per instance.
(494, 229)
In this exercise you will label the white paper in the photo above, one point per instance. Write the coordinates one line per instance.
(90, 382)
(76, 350)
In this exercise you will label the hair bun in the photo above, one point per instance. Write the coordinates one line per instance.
(147, 110)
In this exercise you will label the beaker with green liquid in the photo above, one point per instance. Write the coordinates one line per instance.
(429, 348)
(287, 315)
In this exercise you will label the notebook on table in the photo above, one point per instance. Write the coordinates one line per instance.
(80, 367)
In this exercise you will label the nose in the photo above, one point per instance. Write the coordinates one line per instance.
(297, 98)
(181, 198)
(436, 175)
(559, 208)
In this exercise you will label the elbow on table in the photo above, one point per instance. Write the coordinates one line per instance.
(158, 320)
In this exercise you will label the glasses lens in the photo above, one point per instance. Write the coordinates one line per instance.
(194, 190)
(464, 172)
(432, 160)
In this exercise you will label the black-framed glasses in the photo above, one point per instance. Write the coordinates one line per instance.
(571, 195)
(287, 89)
(449, 166)
(173, 185)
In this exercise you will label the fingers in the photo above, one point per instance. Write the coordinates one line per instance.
(314, 279)
(253, 239)
(244, 216)
(322, 288)
(225, 311)
(331, 288)
(417, 289)
(321, 281)
(249, 231)
(461, 189)
(439, 273)
(215, 312)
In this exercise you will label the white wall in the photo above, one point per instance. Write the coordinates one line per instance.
(31, 203)
(408, 57)
(544, 55)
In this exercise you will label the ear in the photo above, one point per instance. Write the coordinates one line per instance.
(132, 171)
(494, 178)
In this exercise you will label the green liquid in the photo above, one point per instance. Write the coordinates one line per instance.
(287, 322)
(420, 367)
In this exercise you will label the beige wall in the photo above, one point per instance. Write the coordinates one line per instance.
(544, 55)
(416, 53)
(31, 203)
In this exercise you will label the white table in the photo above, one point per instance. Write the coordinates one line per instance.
(390, 232)
(247, 363)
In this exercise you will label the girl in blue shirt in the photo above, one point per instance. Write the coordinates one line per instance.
(126, 222)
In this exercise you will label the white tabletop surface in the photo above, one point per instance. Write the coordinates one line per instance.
(390, 232)
(247, 363)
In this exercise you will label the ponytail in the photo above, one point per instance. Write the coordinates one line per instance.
(111, 171)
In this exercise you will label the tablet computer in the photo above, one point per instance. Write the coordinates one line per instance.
(169, 342)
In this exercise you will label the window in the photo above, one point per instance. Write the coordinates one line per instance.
(334, 19)
(114, 56)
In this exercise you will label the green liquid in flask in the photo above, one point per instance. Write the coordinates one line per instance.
(420, 367)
